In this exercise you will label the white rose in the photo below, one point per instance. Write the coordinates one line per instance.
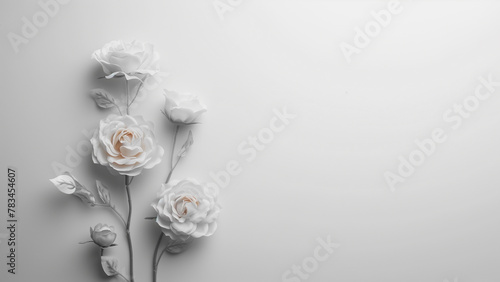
(186, 209)
(182, 108)
(126, 144)
(127, 58)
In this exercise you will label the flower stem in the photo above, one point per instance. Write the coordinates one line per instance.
(118, 108)
(123, 277)
(172, 165)
(114, 210)
(173, 147)
(172, 170)
(137, 93)
(126, 94)
(161, 254)
(129, 239)
(155, 263)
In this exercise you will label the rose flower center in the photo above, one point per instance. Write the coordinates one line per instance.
(182, 203)
(127, 142)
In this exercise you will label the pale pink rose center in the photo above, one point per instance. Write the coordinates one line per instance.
(127, 142)
(183, 202)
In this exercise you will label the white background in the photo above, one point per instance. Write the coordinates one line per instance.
(321, 176)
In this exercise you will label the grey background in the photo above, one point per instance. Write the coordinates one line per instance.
(322, 176)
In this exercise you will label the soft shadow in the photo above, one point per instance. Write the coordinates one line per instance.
(92, 254)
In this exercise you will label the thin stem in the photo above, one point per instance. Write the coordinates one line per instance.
(161, 254)
(137, 93)
(172, 166)
(129, 239)
(123, 277)
(170, 245)
(114, 210)
(118, 214)
(172, 170)
(118, 108)
(173, 147)
(155, 263)
(126, 93)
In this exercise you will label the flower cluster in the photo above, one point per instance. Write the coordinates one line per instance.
(126, 145)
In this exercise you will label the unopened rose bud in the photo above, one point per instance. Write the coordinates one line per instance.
(68, 184)
(182, 108)
(103, 235)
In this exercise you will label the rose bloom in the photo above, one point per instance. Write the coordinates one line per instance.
(182, 108)
(186, 209)
(127, 58)
(103, 235)
(126, 144)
